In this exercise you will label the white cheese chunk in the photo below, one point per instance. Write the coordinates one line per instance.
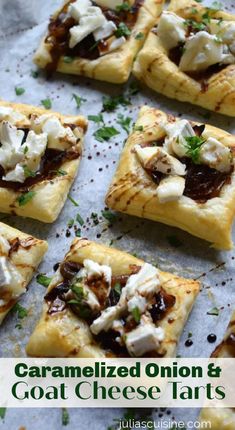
(145, 282)
(171, 30)
(4, 246)
(224, 29)
(176, 132)
(117, 43)
(5, 274)
(15, 175)
(87, 24)
(10, 150)
(106, 30)
(78, 8)
(138, 302)
(10, 114)
(59, 137)
(202, 50)
(92, 268)
(36, 146)
(110, 4)
(90, 298)
(216, 155)
(10, 279)
(145, 338)
(156, 158)
(170, 189)
(105, 321)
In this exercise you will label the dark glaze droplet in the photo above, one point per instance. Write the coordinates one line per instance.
(211, 338)
(189, 342)
(56, 266)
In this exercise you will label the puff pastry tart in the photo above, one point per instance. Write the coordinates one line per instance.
(180, 173)
(222, 419)
(105, 302)
(190, 56)
(20, 255)
(39, 157)
(97, 39)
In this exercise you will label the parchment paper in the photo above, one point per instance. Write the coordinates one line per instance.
(22, 24)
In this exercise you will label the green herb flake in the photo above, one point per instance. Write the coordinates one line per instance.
(111, 103)
(65, 417)
(110, 216)
(25, 198)
(133, 89)
(123, 7)
(43, 280)
(67, 59)
(98, 119)
(213, 311)
(200, 26)
(136, 314)
(125, 122)
(105, 133)
(138, 128)
(28, 173)
(174, 241)
(193, 145)
(190, 334)
(73, 201)
(70, 223)
(78, 291)
(79, 219)
(26, 148)
(122, 30)
(21, 311)
(139, 36)
(19, 91)
(46, 103)
(34, 74)
(193, 11)
(78, 232)
(3, 413)
(79, 100)
(117, 288)
(61, 172)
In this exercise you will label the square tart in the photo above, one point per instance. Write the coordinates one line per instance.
(222, 418)
(216, 92)
(112, 67)
(50, 190)
(64, 334)
(133, 191)
(25, 254)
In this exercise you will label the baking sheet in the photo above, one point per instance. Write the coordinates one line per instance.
(21, 27)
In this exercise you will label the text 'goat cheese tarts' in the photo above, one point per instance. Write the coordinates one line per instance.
(190, 56)
(222, 418)
(39, 157)
(180, 173)
(20, 255)
(105, 302)
(97, 39)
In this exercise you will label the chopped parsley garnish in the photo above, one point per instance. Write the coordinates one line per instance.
(19, 91)
(26, 148)
(67, 59)
(213, 311)
(78, 232)
(110, 216)
(123, 7)
(193, 11)
(21, 311)
(133, 89)
(61, 172)
(122, 30)
(174, 241)
(105, 133)
(79, 100)
(34, 74)
(73, 201)
(193, 145)
(117, 288)
(28, 173)
(94, 217)
(138, 128)
(111, 103)
(125, 122)
(136, 314)
(25, 198)
(139, 36)
(70, 223)
(200, 26)
(46, 103)
(3, 413)
(65, 417)
(190, 334)
(79, 292)
(98, 119)
(43, 280)
(79, 219)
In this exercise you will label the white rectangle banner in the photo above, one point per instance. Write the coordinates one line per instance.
(140, 383)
